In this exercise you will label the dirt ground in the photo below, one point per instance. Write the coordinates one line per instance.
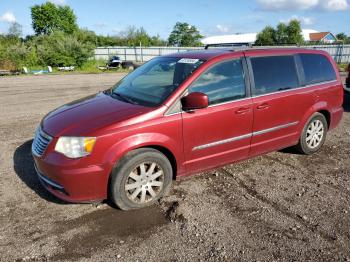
(279, 207)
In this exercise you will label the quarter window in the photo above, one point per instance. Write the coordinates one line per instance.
(317, 68)
(274, 73)
(222, 83)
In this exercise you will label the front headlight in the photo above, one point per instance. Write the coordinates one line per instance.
(75, 147)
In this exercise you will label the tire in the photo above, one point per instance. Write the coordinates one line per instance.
(140, 178)
(313, 134)
(128, 65)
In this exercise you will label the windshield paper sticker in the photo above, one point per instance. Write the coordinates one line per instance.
(188, 61)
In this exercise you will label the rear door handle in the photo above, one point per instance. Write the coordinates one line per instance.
(263, 106)
(243, 110)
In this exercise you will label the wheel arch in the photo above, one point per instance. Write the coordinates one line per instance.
(327, 115)
(169, 155)
(320, 107)
(166, 145)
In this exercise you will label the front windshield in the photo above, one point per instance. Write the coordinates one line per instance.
(152, 83)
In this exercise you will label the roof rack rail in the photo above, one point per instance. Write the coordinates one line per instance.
(226, 45)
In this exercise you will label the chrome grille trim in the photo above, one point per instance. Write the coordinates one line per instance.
(40, 142)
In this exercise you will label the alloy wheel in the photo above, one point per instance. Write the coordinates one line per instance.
(145, 182)
(314, 133)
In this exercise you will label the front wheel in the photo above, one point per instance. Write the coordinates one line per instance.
(140, 178)
(313, 135)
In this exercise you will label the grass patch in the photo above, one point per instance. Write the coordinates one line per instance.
(89, 67)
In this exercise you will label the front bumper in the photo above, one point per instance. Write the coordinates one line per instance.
(77, 184)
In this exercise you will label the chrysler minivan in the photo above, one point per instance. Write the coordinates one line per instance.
(185, 113)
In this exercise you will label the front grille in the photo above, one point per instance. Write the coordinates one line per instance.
(40, 143)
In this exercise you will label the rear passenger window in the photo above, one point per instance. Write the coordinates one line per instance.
(274, 73)
(317, 68)
(222, 83)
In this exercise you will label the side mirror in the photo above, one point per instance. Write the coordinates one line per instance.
(195, 100)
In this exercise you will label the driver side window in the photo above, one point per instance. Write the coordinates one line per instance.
(223, 82)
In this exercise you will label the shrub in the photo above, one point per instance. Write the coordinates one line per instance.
(21, 55)
(14, 53)
(7, 64)
(60, 49)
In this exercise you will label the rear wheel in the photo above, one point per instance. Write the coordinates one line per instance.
(140, 179)
(313, 135)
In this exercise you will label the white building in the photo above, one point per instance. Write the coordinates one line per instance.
(247, 39)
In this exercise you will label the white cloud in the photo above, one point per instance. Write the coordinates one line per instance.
(334, 5)
(8, 17)
(326, 5)
(307, 20)
(222, 28)
(287, 4)
(304, 20)
(218, 29)
(58, 2)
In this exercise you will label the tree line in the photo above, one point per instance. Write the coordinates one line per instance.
(342, 37)
(283, 34)
(58, 40)
(289, 34)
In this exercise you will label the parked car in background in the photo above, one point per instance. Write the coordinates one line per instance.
(115, 62)
(183, 114)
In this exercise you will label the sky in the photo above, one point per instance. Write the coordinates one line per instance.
(211, 17)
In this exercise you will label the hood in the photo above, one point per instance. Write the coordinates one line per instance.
(84, 116)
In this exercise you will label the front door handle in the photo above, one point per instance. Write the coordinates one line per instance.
(263, 106)
(243, 110)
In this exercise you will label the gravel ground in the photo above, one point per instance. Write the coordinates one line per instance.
(278, 207)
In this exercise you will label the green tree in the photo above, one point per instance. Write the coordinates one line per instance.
(86, 36)
(157, 41)
(294, 32)
(49, 17)
(15, 30)
(135, 36)
(184, 34)
(266, 37)
(341, 36)
(15, 53)
(109, 41)
(282, 36)
(60, 49)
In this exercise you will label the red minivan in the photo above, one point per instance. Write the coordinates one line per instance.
(186, 113)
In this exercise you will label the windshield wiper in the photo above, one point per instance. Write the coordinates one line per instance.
(124, 98)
